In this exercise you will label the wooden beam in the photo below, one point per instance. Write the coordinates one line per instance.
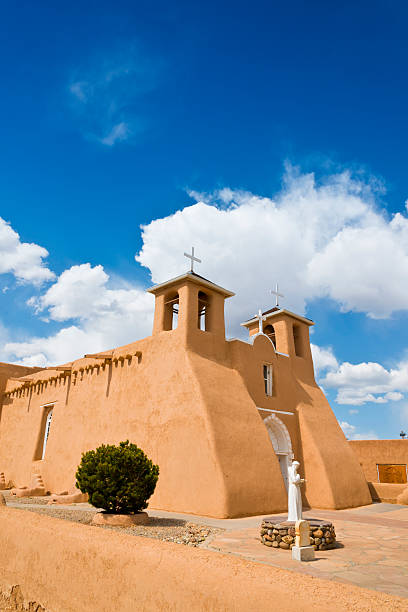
(99, 356)
(62, 368)
(22, 380)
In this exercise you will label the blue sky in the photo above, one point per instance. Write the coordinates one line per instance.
(270, 136)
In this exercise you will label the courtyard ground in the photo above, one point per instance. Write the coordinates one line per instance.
(372, 547)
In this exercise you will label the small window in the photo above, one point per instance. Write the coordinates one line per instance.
(46, 432)
(268, 379)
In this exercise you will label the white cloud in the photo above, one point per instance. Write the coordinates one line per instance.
(80, 292)
(22, 259)
(394, 396)
(302, 238)
(105, 92)
(104, 317)
(350, 431)
(119, 132)
(323, 358)
(360, 383)
(78, 89)
(309, 238)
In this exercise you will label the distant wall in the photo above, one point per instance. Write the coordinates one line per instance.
(68, 567)
(372, 452)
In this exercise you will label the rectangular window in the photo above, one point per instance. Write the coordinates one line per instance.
(392, 473)
(268, 379)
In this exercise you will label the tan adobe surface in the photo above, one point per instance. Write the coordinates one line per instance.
(196, 404)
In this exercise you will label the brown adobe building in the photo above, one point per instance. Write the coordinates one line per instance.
(222, 418)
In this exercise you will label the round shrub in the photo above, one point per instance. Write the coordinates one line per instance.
(119, 479)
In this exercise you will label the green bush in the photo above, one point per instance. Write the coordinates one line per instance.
(119, 479)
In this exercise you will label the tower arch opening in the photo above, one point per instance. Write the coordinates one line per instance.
(270, 332)
(171, 311)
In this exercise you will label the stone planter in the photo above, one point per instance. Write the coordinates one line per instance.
(282, 535)
(120, 520)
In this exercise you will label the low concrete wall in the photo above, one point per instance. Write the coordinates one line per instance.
(385, 492)
(371, 452)
(67, 567)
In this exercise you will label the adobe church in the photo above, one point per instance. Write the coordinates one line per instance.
(222, 418)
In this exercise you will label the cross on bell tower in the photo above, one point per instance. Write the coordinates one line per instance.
(261, 318)
(277, 294)
(193, 259)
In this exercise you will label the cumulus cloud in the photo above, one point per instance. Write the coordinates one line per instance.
(323, 358)
(309, 237)
(22, 259)
(351, 432)
(361, 383)
(101, 317)
(302, 237)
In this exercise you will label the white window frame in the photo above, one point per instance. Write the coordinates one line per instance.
(268, 379)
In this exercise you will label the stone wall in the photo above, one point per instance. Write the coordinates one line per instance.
(282, 535)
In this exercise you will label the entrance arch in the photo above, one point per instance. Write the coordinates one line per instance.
(281, 442)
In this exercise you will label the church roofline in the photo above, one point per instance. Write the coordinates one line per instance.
(269, 314)
(195, 278)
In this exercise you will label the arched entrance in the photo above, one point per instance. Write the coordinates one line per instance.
(281, 443)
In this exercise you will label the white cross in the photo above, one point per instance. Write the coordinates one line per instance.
(260, 318)
(277, 294)
(193, 259)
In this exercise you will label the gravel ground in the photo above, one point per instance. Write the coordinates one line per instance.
(25, 500)
(166, 529)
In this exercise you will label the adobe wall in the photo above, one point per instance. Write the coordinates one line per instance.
(68, 567)
(334, 477)
(8, 370)
(190, 399)
(191, 415)
(371, 452)
(332, 471)
(387, 492)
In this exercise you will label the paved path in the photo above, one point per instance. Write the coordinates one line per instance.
(373, 551)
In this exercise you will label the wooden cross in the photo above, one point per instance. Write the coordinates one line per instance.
(193, 259)
(277, 294)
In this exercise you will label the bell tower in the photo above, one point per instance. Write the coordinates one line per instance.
(289, 334)
(190, 305)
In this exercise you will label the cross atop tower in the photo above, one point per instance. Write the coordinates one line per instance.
(261, 318)
(277, 294)
(193, 259)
